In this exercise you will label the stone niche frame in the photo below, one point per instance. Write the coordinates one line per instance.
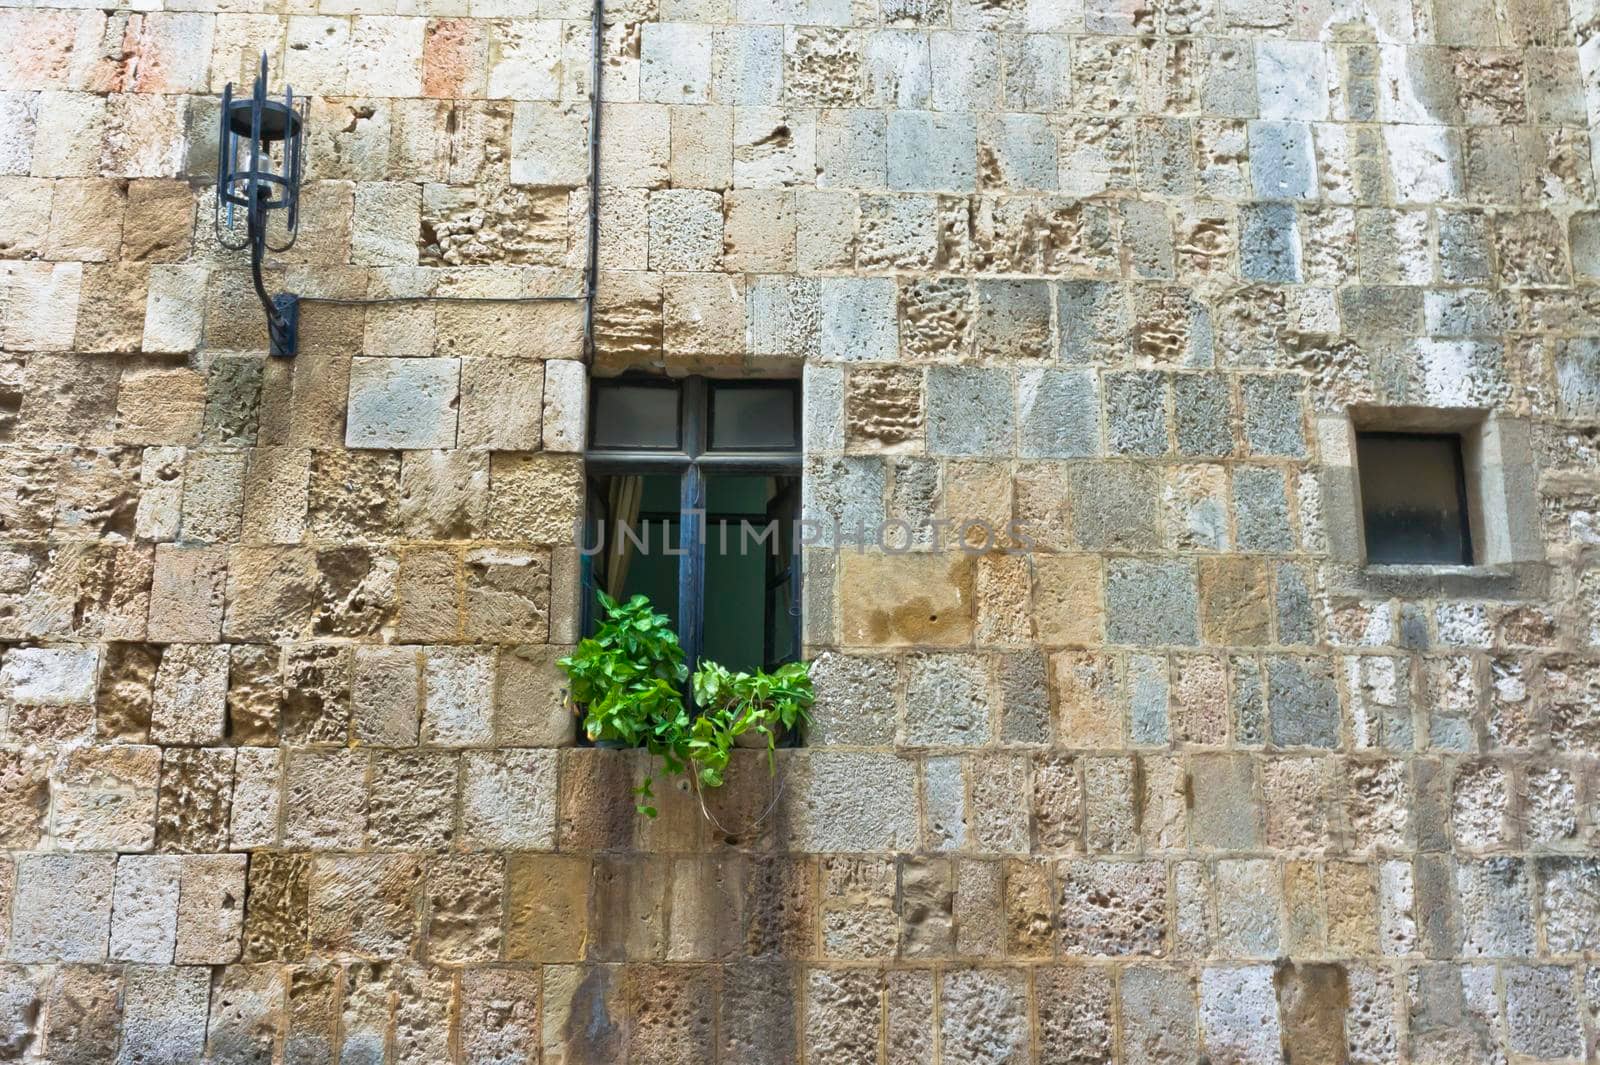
(1502, 506)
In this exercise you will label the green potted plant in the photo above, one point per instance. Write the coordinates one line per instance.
(626, 683)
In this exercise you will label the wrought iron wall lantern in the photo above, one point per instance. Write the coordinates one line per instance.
(259, 162)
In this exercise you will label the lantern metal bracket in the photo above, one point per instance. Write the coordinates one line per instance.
(285, 332)
(259, 165)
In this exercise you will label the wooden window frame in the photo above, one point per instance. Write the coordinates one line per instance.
(693, 463)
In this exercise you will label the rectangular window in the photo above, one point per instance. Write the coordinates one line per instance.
(694, 491)
(1414, 498)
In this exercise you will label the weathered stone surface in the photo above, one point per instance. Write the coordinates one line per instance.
(911, 599)
(61, 909)
(1117, 754)
(1112, 908)
(196, 794)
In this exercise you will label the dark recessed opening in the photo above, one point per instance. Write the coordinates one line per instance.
(1414, 498)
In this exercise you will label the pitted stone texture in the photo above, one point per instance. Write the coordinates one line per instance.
(985, 1015)
(854, 802)
(855, 700)
(1112, 908)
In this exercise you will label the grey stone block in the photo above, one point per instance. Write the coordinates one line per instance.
(1058, 414)
(913, 498)
(1291, 79)
(1136, 413)
(785, 315)
(1158, 1015)
(897, 67)
(944, 792)
(403, 403)
(1147, 235)
(1583, 235)
(61, 908)
(1148, 693)
(859, 319)
(1013, 319)
(1494, 899)
(1095, 322)
(1227, 77)
(966, 71)
(1024, 698)
(1380, 310)
(1296, 613)
(675, 62)
(1037, 72)
(1249, 702)
(854, 802)
(1281, 162)
(1018, 152)
(1151, 603)
(1455, 312)
(823, 408)
(1274, 423)
(1114, 506)
(856, 704)
(933, 150)
(1269, 243)
(747, 65)
(948, 702)
(1543, 1020)
(845, 496)
(1204, 412)
(1166, 156)
(852, 149)
(1466, 255)
(1578, 378)
(1261, 509)
(1303, 702)
(969, 411)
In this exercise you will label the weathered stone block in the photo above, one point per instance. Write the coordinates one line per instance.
(948, 701)
(1239, 1014)
(365, 904)
(1151, 603)
(164, 1013)
(144, 916)
(62, 907)
(509, 799)
(189, 699)
(1303, 702)
(105, 799)
(908, 599)
(194, 804)
(501, 404)
(853, 802)
(1112, 908)
(325, 799)
(403, 403)
(970, 411)
(984, 1015)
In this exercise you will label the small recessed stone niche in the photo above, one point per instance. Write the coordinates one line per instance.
(1426, 500)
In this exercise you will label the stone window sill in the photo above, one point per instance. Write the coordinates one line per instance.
(1516, 580)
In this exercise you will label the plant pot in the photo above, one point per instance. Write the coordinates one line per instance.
(613, 745)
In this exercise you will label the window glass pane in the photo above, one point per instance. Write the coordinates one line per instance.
(633, 540)
(635, 415)
(1411, 498)
(741, 560)
(747, 417)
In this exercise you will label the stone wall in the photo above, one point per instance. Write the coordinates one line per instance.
(285, 773)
